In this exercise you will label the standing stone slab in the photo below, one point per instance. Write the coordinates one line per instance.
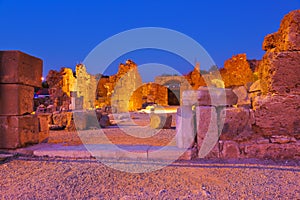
(16, 99)
(20, 68)
(185, 127)
(18, 131)
(44, 121)
(207, 132)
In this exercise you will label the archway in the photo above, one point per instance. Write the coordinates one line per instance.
(173, 92)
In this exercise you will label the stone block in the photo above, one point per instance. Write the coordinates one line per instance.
(85, 120)
(282, 139)
(44, 121)
(277, 115)
(272, 151)
(185, 127)
(104, 121)
(209, 96)
(20, 68)
(279, 73)
(242, 94)
(235, 124)
(16, 99)
(18, 131)
(229, 149)
(255, 87)
(159, 121)
(207, 129)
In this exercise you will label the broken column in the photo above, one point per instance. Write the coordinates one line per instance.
(19, 74)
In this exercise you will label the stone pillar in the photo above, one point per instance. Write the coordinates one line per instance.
(185, 127)
(19, 74)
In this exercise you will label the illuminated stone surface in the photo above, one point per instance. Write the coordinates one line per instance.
(17, 67)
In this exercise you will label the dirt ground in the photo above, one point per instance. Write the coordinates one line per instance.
(126, 132)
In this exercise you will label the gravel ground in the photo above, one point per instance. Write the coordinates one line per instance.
(46, 178)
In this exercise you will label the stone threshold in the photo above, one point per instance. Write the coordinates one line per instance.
(107, 151)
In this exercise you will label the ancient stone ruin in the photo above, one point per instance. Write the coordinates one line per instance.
(248, 109)
(257, 119)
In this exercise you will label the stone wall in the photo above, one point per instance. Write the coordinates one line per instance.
(19, 74)
(277, 109)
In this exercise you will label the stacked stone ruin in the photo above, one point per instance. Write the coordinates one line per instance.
(256, 120)
(19, 74)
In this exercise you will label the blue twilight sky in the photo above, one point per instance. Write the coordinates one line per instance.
(63, 33)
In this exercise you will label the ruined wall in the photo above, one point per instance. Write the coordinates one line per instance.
(126, 81)
(195, 79)
(150, 92)
(279, 75)
(63, 84)
(86, 86)
(237, 71)
(264, 122)
(60, 86)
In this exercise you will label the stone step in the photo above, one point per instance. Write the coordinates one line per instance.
(110, 151)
